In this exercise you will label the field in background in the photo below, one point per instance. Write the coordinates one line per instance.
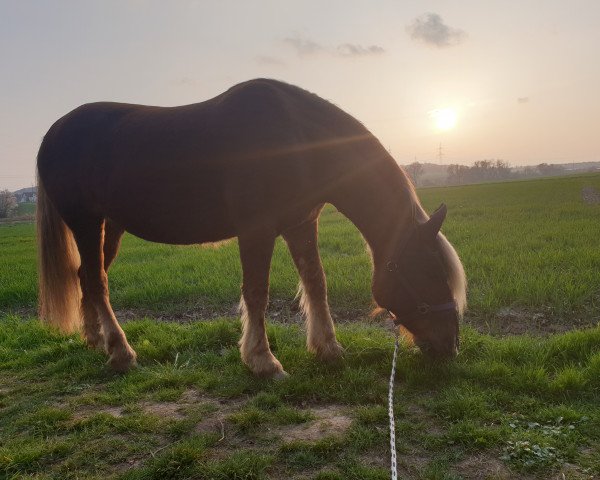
(517, 407)
(530, 246)
(25, 209)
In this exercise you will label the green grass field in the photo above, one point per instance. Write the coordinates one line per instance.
(25, 209)
(531, 245)
(517, 406)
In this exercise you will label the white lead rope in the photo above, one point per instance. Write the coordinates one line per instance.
(393, 465)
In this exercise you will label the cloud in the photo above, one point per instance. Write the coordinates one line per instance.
(431, 30)
(268, 60)
(352, 50)
(186, 81)
(306, 47)
(303, 46)
(522, 100)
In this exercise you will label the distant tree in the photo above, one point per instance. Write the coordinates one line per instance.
(502, 169)
(8, 203)
(415, 170)
(457, 174)
(529, 172)
(549, 169)
(482, 170)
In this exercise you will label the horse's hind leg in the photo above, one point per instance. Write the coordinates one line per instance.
(255, 254)
(112, 242)
(302, 243)
(94, 281)
(91, 322)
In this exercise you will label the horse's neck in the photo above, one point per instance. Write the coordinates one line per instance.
(379, 202)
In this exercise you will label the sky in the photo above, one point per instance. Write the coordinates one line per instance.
(511, 80)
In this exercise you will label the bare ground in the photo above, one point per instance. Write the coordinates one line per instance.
(505, 321)
(330, 420)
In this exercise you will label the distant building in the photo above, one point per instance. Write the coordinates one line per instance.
(26, 195)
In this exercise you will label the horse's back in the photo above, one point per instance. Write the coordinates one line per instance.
(256, 153)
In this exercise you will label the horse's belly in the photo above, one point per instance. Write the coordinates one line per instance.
(179, 236)
(179, 217)
(172, 230)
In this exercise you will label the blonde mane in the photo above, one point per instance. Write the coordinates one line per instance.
(457, 280)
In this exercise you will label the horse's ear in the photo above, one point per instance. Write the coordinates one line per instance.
(432, 226)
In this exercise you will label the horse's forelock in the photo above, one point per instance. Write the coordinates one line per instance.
(457, 280)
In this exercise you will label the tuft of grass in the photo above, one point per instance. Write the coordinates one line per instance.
(300, 455)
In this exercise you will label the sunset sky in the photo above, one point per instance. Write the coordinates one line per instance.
(514, 80)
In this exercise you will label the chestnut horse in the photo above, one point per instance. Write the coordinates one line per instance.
(255, 162)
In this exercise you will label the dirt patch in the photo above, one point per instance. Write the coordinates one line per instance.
(192, 398)
(173, 410)
(279, 310)
(192, 314)
(329, 421)
(484, 467)
(489, 466)
(17, 220)
(411, 465)
(216, 422)
(213, 424)
(516, 321)
(376, 458)
(428, 422)
(573, 472)
(506, 321)
(590, 195)
(164, 409)
(89, 411)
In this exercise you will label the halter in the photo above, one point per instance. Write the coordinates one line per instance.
(423, 308)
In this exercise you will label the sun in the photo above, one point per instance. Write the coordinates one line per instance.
(445, 118)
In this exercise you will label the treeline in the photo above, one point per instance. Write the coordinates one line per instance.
(496, 170)
(481, 171)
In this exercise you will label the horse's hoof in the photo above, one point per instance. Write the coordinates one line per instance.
(271, 368)
(280, 375)
(123, 361)
(330, 352)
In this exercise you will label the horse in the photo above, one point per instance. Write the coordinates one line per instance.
(255, 162)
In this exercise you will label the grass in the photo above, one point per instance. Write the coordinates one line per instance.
(528, 404)
(513, 407)
(529, 245)
(25, 209)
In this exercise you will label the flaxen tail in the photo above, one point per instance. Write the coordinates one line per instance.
(58, 261)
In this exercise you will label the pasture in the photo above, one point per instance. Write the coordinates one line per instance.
(510, 406)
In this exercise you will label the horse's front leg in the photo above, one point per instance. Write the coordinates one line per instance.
(320, 331)
(255, 254)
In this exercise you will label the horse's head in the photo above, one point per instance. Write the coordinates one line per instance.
(414, 286)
